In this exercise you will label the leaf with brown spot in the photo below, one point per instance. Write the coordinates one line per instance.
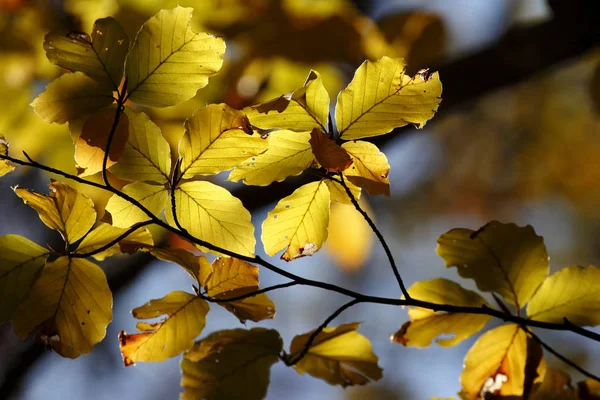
(369, 169)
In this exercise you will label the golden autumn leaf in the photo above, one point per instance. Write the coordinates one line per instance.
(338, 193)
(382, 97)
(5, 166)
(447, 329)
(302, 110)
(573, 292)
(147, 154)
(71, 96)
(21, 261)
(339, 356)
(169, 62)
(100, 56)
(197, 267)
(230, 364)
(124, 214)
(71, 303)
(298, 223)
(65, 210)
(210, 213)
(288, 154)
(232, 277)
(502, 258)
(217, 138)
(369, 169)
(330, 155)
(104, 234)
(184, 321)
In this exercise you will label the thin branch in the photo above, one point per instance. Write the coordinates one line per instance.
(384, 244)
(113, 130)
(247, 295)
(110, 244)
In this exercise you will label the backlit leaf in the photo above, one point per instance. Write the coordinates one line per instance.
(339, 356)
(185, 320)
(496, 363)
(65, 209)
(338, 193)
(369, 169)
(447, 329)
(101, 57)
(556, 386)
(231, 364)
(232, 277)
(298, 223)
(72, 303)
(210, 213)
(288, 154)
(302, 110)
(5, 166)
(217, 138)
(197, 266)
(21, 261)
(147, 155)
(169, 62)
(330, 155)
(502, 258)
(382, 97)
(124, 214)
(71, 96)
(573, 293)
(104, 234)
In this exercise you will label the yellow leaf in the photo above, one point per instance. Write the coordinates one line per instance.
(288, 154)
(369, 169)
(329, 154)
(66, 210)
(573, 293)
(382, 97)
(169, 62)
(449, 328)
(339, 356)
(197, 266)
(232, 364)
(104, 233)
(5, 166)
(338, 193)
(502, 258)
(217, 138)
(21, 261)
(147, 155)
(231, 278)
(496, 363)
(71, 96)
(72, 302)
(350, 238)
(124, 214)
(186, 317)
(210, 213)
(298, 223)
(301, 110)
(101, 57)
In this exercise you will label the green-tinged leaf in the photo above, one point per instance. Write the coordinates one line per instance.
(339, 356)
(288, 154)
(573, 293)
(169, 62)
(217, 138)
(232, 277)
(65, 209)
(21, 261)
(72, 304)
(124, 214)
(104, 234)
(502, 258)
(71, 96)
(147, 155)
(197, 266)
(447, 329)
(369, 169)
(210, 213)
(338, 193)
(382, 97)
(101, 57)
(298, 223)
(300, 111)
(5, 166)
(185, 320)
(232, 364)
(496, 363)
(328, 153)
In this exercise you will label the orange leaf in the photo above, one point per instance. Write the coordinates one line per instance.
(331, 156)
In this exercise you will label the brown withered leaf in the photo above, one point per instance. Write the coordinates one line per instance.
(330, 155)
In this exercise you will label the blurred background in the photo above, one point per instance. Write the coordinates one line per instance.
(516, 138)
